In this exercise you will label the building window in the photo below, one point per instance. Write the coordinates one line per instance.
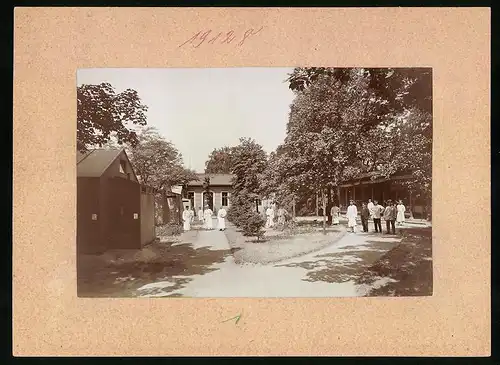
(122, 167)
(225, 199)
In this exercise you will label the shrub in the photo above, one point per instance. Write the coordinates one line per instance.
(172, 229)
(253, 225)
(239, 210)
(233, 214)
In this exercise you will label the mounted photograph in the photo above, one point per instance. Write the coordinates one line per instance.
(254, 182)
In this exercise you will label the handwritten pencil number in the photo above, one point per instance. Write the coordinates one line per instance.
(201, 37)
(247, 34)
(229, 37)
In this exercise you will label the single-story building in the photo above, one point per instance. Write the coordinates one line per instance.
(373, 186)
(113, 209)
(213, 190)
(216, 195)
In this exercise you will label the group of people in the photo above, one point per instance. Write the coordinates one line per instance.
(272, 213)
(204, 217)
(393, 214)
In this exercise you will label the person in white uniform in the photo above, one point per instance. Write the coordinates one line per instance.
(335, 213)
(370, 207)
(401, 209)
(221, 219)
(352, 214)
(207, 216)
(200, 215)
(186, 218)
(191, 215)
(281, 216)
(270, 217)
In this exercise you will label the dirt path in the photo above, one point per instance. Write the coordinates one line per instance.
(201, 263)
(329, 272)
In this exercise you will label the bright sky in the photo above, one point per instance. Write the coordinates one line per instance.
(202, 109)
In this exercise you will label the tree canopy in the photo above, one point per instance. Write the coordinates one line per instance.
(158, 162)
(219, 161)
(346, 121)
(101, 113)
(248, 161)
(402, 88)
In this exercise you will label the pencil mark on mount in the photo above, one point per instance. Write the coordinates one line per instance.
(238, 317)
(221, 37)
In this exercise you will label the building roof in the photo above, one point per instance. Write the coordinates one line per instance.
(95, 162)
(375, 177)
(215, 180)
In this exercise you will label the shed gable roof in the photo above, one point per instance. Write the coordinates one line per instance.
(95, 162)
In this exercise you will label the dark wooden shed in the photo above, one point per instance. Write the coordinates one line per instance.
(113, 209)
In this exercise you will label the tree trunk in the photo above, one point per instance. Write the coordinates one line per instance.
(329, 206)
(317, 204)
(293, 208)
(411, 206)
(324, 211)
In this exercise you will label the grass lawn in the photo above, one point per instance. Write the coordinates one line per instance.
(278, 245)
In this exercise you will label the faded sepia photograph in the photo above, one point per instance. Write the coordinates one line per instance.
(254, 182)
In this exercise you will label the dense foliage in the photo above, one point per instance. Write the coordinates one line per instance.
(248, 161)
(219, 161)
(102, 113)
(344, 122)
(157, 161)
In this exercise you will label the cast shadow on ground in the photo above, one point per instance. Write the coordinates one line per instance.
(346, 265)
(160, 261)
(409, 265)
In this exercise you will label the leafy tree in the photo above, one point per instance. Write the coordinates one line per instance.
(327, 120)
(411, 151)
(347, 121)
(401, 88)
(248, 161)
(158, 162)
(219, 161)
(102, 112)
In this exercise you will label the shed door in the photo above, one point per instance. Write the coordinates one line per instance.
(125, 205)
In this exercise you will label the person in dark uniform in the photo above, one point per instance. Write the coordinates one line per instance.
(365, 215)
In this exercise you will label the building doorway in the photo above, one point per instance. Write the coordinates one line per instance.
(208, 199)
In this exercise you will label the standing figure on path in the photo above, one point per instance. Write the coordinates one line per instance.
(377, 215)
(335, 213)
(281, 216)
(186, 218)
(207, 217)
(370, 207)
(200, 215)
(191, 216)
(365, 215)
(390, 217)
(221, 219)
(401, 213)
(270, 217)
(352, 214)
